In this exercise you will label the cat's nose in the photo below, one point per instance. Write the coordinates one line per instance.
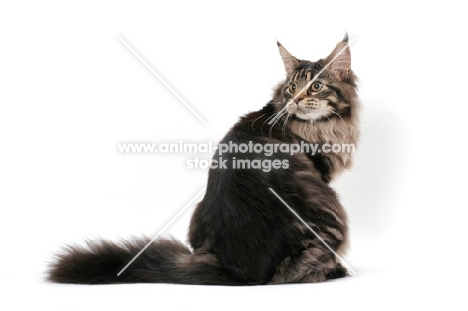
(298, 98)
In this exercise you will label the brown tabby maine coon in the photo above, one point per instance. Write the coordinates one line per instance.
(241, 233)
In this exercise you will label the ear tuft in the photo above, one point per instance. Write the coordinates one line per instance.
(289, 61)
(345, 39)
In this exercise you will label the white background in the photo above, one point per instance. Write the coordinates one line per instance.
(70, 91)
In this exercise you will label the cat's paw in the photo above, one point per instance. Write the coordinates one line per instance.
(338, 272)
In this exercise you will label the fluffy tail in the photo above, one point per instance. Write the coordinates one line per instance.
(164, 261)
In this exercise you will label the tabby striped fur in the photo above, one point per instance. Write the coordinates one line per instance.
(240, 233)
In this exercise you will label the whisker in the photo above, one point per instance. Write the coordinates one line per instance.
(344, 123)
(328, 117)
(285, 122)
(275, 123)
(272, 125)
(251, 125)
(261, 129)
(284, 108)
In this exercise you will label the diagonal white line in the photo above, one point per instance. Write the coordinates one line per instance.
(162, 80)
(160, 232)
(315, 233)
(311, 81)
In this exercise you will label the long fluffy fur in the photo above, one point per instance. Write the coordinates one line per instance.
(240, 232)
(164, 261)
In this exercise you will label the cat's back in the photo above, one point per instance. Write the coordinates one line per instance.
(239, 219)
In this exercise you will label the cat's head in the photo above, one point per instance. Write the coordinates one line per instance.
(318, 91)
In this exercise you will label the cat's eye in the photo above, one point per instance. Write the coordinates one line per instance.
(292, 87)
(317, 86)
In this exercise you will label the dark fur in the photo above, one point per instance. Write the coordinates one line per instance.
(164, 261)
(240, 232)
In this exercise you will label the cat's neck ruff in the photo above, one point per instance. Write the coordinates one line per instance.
(333, 131)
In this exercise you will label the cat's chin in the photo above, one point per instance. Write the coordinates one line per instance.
(303, 116)
(308, 116)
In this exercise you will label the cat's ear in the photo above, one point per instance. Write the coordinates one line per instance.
(340, 58)
(290, 62)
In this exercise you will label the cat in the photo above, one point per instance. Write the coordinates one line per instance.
(240, 232)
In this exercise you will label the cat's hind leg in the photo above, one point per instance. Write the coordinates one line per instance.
(313, 264)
